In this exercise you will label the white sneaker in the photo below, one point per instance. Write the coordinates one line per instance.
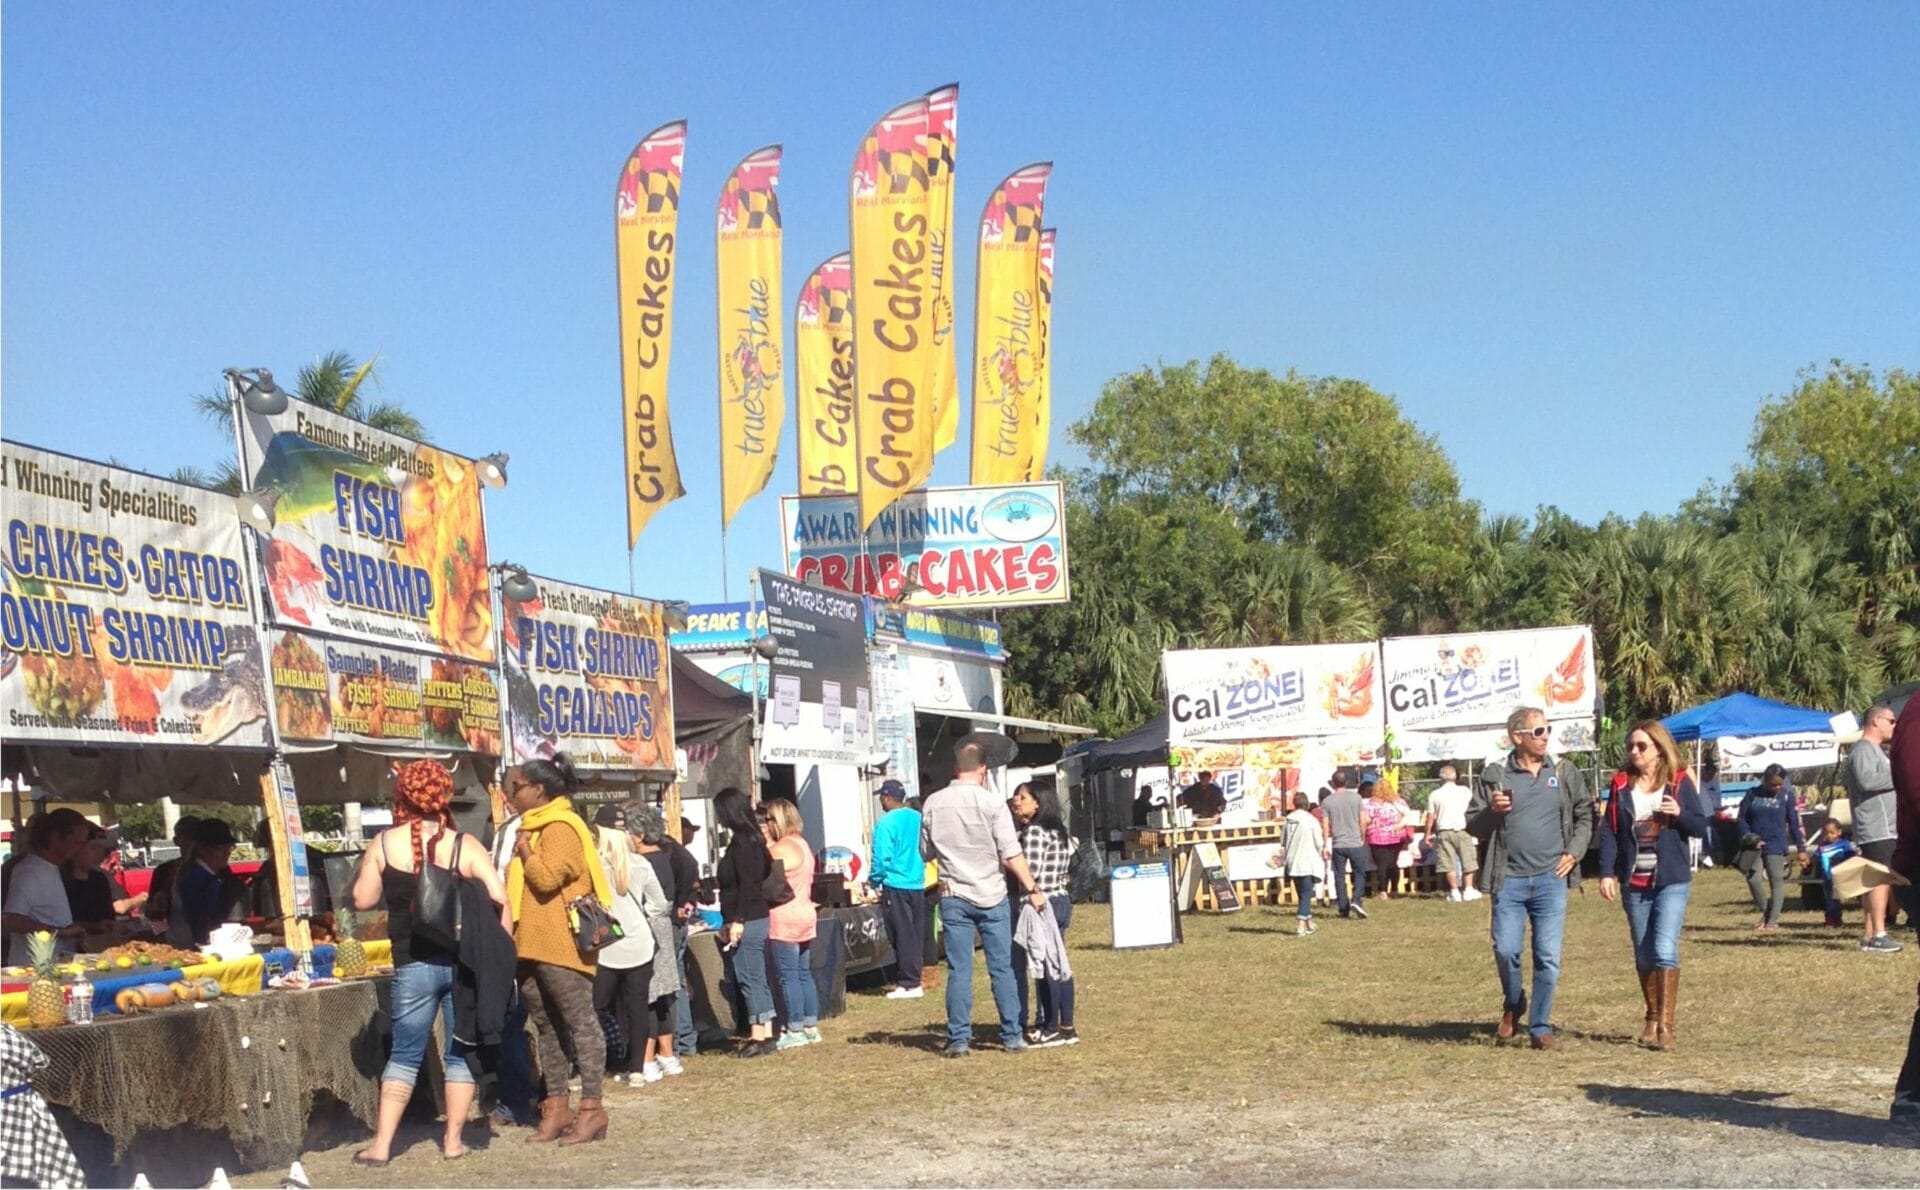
(906, 993)
(1453, 894)
(670, 1066)
(651, 1072)
(1472, 894)
(635, 1079)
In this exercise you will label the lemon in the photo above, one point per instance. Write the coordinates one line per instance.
(123, 962)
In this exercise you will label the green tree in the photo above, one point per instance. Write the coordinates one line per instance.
(1327, 464)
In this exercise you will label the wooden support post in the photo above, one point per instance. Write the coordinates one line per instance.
(298, 931)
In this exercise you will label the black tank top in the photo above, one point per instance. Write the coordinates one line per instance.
(398, 889)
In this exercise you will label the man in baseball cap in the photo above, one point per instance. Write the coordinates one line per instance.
(900, 873)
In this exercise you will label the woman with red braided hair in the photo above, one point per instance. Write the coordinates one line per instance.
(423, 973)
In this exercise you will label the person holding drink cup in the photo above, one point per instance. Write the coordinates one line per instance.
(1645, 864)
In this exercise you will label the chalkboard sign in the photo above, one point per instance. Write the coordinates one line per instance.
(1214, 871)
(1141, 896)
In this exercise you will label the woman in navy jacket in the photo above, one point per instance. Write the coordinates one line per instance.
(1644, 861)
(1771, 814)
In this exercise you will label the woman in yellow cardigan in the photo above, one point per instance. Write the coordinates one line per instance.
(554, 863)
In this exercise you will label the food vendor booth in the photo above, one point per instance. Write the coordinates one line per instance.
(1265, 722)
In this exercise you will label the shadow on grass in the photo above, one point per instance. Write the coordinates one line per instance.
(1743, 1109)
(928, 1041)
(1796, 942)
(1461, 1033)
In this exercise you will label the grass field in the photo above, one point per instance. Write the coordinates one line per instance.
(1361, 1056)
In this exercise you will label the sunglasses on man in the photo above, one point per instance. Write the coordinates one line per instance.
(1539, 733)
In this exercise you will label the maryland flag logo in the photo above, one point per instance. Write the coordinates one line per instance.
(751, 201)
(827, 297)
(942, 127)
(650, 184)
(1014, 213)
(894, 153)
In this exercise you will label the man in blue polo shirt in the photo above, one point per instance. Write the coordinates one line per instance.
(900, 874)
(1534, 818)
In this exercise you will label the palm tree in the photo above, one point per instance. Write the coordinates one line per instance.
(1285, 594)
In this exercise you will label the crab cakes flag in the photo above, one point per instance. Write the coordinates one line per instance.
(892, 216)
(126, 611)
(646, 224)
(943, 106)
(823, 393)
(753, 403)
(1043, 370)
(1007, 339)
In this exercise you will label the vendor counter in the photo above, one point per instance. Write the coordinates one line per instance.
(237, 977)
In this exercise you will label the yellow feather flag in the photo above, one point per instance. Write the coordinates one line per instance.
(1043, 372)
(646, 222)
(893, 350)
(753, 401)
(943, 107)
(1007, 342)
(829, 456)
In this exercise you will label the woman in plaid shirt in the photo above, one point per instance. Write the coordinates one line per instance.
(1049, 851)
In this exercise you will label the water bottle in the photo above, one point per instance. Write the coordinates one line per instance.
(80, 1001)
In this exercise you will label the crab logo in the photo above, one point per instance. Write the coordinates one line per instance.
(753, 365)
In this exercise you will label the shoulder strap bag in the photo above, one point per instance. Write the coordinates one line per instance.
(436, 898)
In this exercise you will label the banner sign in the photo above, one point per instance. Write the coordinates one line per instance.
(288, 812)
(1274, 692)
(893, 715)
(126, 612)
(646, 223)
(818, 685)
(829, 457)
(330, 691)
(892, 213)
(753, 394)
(587, 674)
(376, 537)
(1001, 546)
(943, 125)
(1006, 327)
(1436, 683)
(1794, 750)
(717, 627)
(930, 628)
(1256, 777)
(1489, 743)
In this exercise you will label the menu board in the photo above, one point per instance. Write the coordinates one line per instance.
(339, 691)
(818, 669)
(126, 616)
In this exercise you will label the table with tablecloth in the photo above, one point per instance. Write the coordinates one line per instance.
(237, 977)
(248, 1067)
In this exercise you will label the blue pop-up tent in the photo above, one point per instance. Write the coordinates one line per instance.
(1745, 715)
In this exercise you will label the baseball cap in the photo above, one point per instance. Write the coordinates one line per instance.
(893, 789)
(612, 816)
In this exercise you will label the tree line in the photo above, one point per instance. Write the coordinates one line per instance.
(1224, 506)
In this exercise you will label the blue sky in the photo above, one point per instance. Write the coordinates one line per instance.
(1588, 227)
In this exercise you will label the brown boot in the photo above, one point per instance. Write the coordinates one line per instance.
(1650, 989)
(590, 1124)
(555, 1117)
(1669, 996)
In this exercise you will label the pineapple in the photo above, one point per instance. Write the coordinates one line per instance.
(46, 1000)
(349, 957)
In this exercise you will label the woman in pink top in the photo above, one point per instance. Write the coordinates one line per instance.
(1385, 814)
(791, 927)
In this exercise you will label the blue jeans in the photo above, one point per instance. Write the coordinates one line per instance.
(1349, 863)
(1054, 998)
(516, 1061)
(1654, 917)
(960, 921)
(747, 964)
(796, 983)
(1303, 893)
(1542, 901)
(686, 1039)
(422, 990)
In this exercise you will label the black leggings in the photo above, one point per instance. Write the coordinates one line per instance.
(623, 991)
(1386, 865)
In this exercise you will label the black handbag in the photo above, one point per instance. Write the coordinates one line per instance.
(436, 898)
(593, 926)
(776, 888)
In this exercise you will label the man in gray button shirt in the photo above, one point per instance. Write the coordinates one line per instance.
(970, 832)
(1534, 817)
